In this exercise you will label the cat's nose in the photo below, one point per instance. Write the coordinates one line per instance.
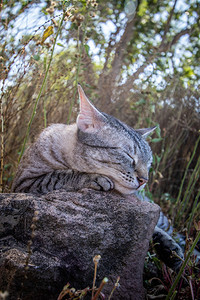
(142, 180)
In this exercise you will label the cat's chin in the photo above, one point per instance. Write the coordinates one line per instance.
(125, 190)
(128, 190)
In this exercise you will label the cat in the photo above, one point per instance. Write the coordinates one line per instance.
(98, 152)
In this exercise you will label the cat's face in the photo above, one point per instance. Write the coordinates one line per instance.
(113, 149)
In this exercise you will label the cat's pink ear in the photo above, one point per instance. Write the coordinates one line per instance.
(89, 118)
(145, 131)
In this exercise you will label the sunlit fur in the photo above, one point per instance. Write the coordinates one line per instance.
(116, 151)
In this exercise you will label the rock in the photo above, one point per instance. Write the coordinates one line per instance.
(66, 230)
(169, 249)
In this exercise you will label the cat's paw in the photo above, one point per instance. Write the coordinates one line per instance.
(102, 183)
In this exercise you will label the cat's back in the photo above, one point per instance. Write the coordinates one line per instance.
(49, 152)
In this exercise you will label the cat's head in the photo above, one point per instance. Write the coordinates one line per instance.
(112, 148)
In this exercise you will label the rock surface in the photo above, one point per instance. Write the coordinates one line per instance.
(66, 230)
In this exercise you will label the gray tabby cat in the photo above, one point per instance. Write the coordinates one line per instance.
(97, 152)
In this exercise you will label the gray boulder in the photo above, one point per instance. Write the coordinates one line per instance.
(51, 240)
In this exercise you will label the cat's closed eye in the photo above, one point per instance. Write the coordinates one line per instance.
(133, 163)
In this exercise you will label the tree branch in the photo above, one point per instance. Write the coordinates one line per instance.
(110, 48)
(125, 88)
(107, 81)
(121, 48)
(166, 46)
(168, 23)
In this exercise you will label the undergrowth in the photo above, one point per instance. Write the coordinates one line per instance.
(162, 282)
(93, 293)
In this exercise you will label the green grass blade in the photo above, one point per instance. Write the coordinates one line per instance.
(186, 171)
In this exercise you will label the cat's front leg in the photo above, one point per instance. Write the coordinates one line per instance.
(100, 182)
(71, 180)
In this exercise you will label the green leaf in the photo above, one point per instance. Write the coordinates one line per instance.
(188, 71)
(151, 170)
(140, 102)
(142, 8)
(36, 57)
(158, 158)
(158, 131)
(61, 45)
(7, 166)
(87, 49)
(156, 140)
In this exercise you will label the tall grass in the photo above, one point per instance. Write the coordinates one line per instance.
(195, 211)
(80, 47)
(41, 90)
(182, 207)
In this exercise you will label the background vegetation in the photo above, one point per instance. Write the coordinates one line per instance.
(137, 60)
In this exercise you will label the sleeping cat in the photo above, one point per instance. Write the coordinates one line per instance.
(98, 152)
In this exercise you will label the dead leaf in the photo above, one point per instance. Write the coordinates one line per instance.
(48, 31)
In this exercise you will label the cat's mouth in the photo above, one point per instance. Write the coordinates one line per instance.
(125, 189)
(141, 187)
